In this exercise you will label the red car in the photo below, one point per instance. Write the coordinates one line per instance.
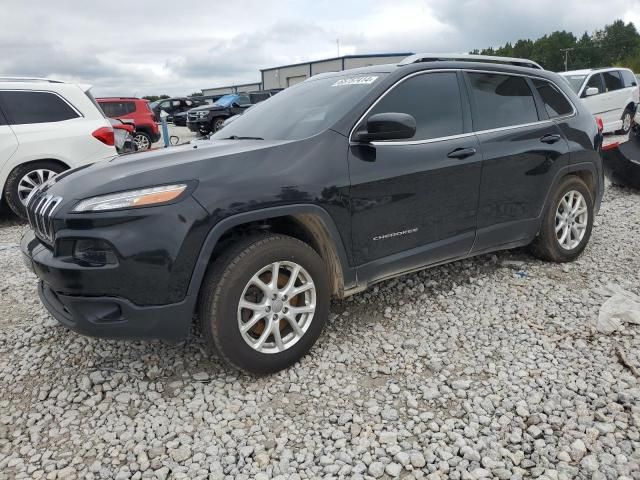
(136, 110)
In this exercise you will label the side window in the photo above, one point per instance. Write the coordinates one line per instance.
(595, 81)
(107, 108)
(501, 101)
(612, 81)
(175, 103)
(555, 103)
(243, 99)
(24, 107)
(2, 120)
(130, 107)
(629, 79)
(433, 99)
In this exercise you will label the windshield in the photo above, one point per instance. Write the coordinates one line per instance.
(303, 110)
(575, 81)
(154, 104)
(226, 100)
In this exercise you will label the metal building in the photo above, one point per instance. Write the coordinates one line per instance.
(288, 75)
(245, 87)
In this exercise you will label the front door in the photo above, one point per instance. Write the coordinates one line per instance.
(414, 202)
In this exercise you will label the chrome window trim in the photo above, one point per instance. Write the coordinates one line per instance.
(461, 135)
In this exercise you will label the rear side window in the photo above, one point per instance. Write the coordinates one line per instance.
(629, 78)
(595, 81)
(555, 103)
(23, 107)
(433, 99)
(501, 101)
(118, 109)
(612, 81)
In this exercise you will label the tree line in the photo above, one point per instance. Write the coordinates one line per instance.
(617, 44)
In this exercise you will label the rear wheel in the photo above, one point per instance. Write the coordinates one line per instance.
(142, 140)
(566, 227)
(264, 302)
(627, 120)
(24, 179)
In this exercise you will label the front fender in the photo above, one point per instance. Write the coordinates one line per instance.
(213, 237)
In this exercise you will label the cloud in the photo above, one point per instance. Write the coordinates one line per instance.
(180, 47)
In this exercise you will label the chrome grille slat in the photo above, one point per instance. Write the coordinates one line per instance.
(40, 211)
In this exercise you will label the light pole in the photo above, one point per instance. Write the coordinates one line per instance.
(566, 56)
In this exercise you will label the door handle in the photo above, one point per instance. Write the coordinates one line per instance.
(462, 153)
(550, 138)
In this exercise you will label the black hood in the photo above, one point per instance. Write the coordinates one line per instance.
(154, 167)
(208, 107)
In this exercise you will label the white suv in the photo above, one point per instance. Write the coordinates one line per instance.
(46, 126)
(609, 93)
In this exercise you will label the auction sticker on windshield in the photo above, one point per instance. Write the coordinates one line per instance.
(368, 80)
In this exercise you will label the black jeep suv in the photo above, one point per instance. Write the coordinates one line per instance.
(339, 182)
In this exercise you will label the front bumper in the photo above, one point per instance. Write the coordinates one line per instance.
(198, 125)
(82, 298)
(110, 317)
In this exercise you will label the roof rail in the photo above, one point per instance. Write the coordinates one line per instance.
(28, 79)
(465, 57)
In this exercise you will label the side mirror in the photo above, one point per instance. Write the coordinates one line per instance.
(387, 126)
(591, 91)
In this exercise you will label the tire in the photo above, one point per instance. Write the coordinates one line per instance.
(142, 140)
(216, 124)
(36, 173)
(547, 245)
(627, 120)
(229, 280)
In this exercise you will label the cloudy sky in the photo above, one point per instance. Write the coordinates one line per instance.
(178, 47)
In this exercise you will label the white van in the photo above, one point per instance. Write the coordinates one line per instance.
(610, 93)
(46, 126)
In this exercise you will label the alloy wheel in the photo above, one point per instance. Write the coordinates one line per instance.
(626, 121)
(142, 142)
(276, 307)
(572, 219)
(31, 181)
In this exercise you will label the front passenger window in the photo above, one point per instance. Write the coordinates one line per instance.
(433, 99)
(595, 82)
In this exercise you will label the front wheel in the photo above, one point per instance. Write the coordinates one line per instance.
(216, 124)
(566, 226)
(264, 302)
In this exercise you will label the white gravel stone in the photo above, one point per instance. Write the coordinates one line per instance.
(458, 372)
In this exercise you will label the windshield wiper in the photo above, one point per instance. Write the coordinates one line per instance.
(236, 137)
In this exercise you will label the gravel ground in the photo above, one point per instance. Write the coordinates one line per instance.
(484, 368)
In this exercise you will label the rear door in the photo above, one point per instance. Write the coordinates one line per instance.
(414, 202)
(522, 150)
(615, 99)
(8, 141)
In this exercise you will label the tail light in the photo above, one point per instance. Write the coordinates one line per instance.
(105, 135)
(600, 124)
(610, 146)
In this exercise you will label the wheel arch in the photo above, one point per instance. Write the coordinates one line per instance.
(585, 171)
(308, 223)
(29, 162)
